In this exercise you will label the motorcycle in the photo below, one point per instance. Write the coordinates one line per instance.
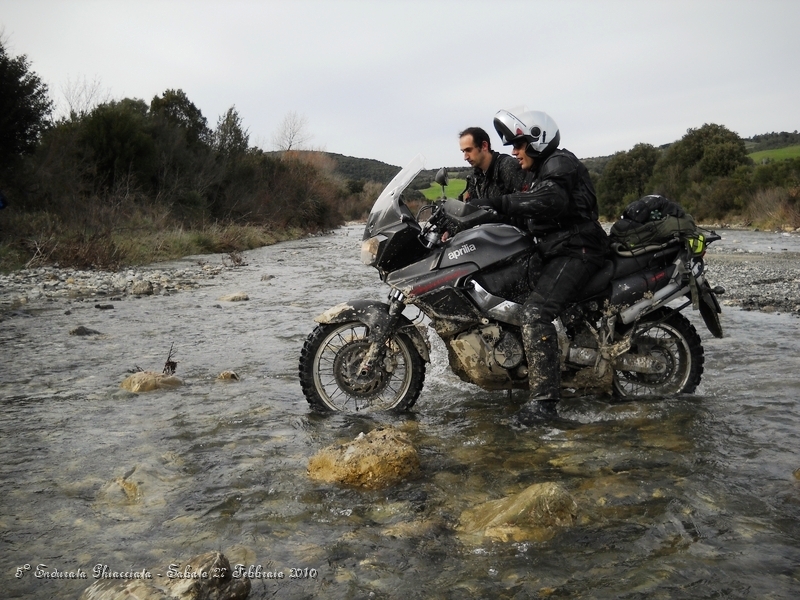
(621, 336)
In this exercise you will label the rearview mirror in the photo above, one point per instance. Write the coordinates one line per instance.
(442, 179)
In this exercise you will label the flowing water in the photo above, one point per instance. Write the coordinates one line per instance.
(686, 497)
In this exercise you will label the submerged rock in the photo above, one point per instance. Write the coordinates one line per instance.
(186, 583)
(376, 460)
(81, 330)
(142, 288)
(147, 381)
(235, 297)
(532, 515)
(228, 376)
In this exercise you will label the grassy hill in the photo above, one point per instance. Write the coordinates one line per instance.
(775, 154)
(453, 189)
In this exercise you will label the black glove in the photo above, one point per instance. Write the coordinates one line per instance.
(495, 203)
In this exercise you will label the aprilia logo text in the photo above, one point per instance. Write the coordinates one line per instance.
(465, 249)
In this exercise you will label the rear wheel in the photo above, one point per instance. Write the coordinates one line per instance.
(330, 371)
(673, 342)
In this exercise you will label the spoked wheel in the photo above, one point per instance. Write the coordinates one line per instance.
(674, 343)
(330, 371)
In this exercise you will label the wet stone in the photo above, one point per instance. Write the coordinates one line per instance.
(184, 583)
(81, 330)
(531, 515)
(147, 381)
(235, 297)
(142, 288)
(377, 460)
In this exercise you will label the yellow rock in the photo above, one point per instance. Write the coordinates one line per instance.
(376, 460)
(235, 297)
(131, 490)
(228, 376)
(147, 381)
(531, 514)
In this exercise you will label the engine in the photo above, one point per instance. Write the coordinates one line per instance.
(491, 356)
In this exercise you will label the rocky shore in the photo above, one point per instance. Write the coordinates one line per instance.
(28, 286)
(765, 281)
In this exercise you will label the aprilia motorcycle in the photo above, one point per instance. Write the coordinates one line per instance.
(620, 336)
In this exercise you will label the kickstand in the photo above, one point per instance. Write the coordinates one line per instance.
(510, 394)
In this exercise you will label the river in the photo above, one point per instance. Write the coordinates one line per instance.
(687, 497)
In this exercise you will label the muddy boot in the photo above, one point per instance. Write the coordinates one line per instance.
(544, 374)
(534, 412)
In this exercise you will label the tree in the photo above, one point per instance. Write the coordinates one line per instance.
(696, 161)
(176, 107)
(24, 108)
(230, 138)
(82, 96)
(625, 178)
(120, 143)
(291, 133)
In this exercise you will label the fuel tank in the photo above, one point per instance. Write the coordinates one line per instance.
(484, 246)
(467, 253)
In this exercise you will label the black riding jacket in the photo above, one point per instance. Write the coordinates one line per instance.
(557, 192)
(503, 176)
(558, 196)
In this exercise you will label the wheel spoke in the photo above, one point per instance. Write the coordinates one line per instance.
(666, 343)
(342, 386)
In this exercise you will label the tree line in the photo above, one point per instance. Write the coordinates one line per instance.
(126, 181)
(82, 187)
(709, 173)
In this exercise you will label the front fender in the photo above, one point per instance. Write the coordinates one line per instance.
(375, 315)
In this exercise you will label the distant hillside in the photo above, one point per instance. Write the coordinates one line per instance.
(366, 169)
(775, 154)
(369, 169)
(771, 141)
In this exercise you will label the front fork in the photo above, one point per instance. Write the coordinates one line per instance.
(379, 335)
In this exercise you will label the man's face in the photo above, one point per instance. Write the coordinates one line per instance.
(525, 161)
(477, 156)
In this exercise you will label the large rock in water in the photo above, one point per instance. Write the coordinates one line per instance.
(531, 515)
(373, 461)
(219, 584)
(147, 381)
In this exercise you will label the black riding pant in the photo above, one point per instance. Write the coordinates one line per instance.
(560, 281)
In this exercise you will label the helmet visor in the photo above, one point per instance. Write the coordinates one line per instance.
(508, 127)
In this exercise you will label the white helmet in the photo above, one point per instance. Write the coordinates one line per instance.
(536, 128)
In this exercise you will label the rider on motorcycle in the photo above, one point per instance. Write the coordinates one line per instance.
(493, 173)
(558, 201)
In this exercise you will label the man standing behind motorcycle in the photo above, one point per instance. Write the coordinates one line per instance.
(559, 203)
(494, 174)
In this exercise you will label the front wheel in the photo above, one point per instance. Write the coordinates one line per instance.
(673, 342)
(330, 376)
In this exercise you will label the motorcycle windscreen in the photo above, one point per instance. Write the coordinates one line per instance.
(387, 208)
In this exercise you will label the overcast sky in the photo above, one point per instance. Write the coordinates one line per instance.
(388, 79)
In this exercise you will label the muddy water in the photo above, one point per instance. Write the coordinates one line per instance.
(684, 497)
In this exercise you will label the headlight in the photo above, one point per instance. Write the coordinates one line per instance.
(369, 249)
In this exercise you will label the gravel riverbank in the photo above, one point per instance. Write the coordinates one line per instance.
(768, 282)
(765, 281)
